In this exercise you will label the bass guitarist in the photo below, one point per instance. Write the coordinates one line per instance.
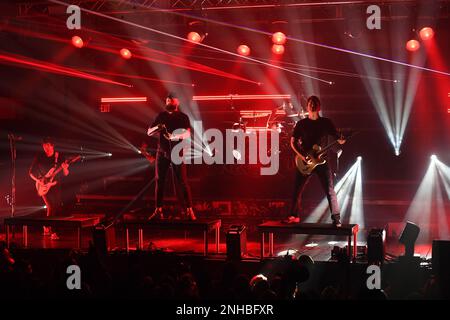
(42, 163)
(309, 133)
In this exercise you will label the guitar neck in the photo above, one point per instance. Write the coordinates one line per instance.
(60, 166)
(325, 149)
(57, 171)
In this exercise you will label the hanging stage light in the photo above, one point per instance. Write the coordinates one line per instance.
(426, 33)
(194, 37)
(77, 42)
(412, 45)
(243, 50)
(279, 38)
(125, 53)
(197, 31)
(278, 49)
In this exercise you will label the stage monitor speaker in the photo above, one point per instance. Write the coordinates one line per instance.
(236, 242)
(104, 238)
(408, 238)
(376, 246)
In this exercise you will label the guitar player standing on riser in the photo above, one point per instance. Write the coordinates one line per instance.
(171, 119)
(308, 132)
(42, 163)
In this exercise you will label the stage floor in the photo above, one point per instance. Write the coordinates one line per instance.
(319, 248)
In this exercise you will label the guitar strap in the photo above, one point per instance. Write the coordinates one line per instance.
(56, 158)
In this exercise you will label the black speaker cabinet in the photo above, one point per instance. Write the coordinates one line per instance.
(104, 238)
(376, 246)
(441, 266)
(441, 258)
(409, 233)
(236, 242)
(409, 237)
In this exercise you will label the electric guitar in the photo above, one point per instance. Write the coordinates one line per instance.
(156, 129)
(145, 153)
(314, 157)
(44, 184)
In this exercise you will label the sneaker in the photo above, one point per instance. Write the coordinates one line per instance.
(47, 231)
(156, 215)
(292, 219)
(190, 214)
(54, 236)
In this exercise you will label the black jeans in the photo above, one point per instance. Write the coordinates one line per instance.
(326, 180)
(53, 201)
(179, 171)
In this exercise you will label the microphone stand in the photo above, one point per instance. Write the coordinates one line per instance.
(338, 155)
(12, 145)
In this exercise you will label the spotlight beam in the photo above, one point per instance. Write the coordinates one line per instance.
(84, 127)
(411, 92)
(444, 174)
(357, 210)
(135, 77)
(420, 209)
(138, 196)
(377, 95)
(343, 194)
(101, 129)
(53, 68)
(443, 230)
(300, 67)
(341, 188)
(177, 62)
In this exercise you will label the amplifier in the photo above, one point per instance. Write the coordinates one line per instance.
(236, 242)
(104, 238)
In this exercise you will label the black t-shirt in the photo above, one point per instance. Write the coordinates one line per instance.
(311, 132)
(172, 121)
(42, 164)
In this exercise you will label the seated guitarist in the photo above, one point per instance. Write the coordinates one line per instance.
(42, 163)
(308, 132)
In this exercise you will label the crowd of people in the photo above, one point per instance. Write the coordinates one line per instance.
(177, 279)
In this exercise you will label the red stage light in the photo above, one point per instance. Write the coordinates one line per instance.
(123, 99)
(194, 37)
(125, 53)
(278, 49)
(279, 38)
(243, 50)
(426, 33)
(412, 45)
(242, 97)
(77, 42)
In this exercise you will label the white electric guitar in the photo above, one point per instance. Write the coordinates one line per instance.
(44, 184)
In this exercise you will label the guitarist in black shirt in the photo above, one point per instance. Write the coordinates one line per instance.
(42, 164)
(308, 134)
